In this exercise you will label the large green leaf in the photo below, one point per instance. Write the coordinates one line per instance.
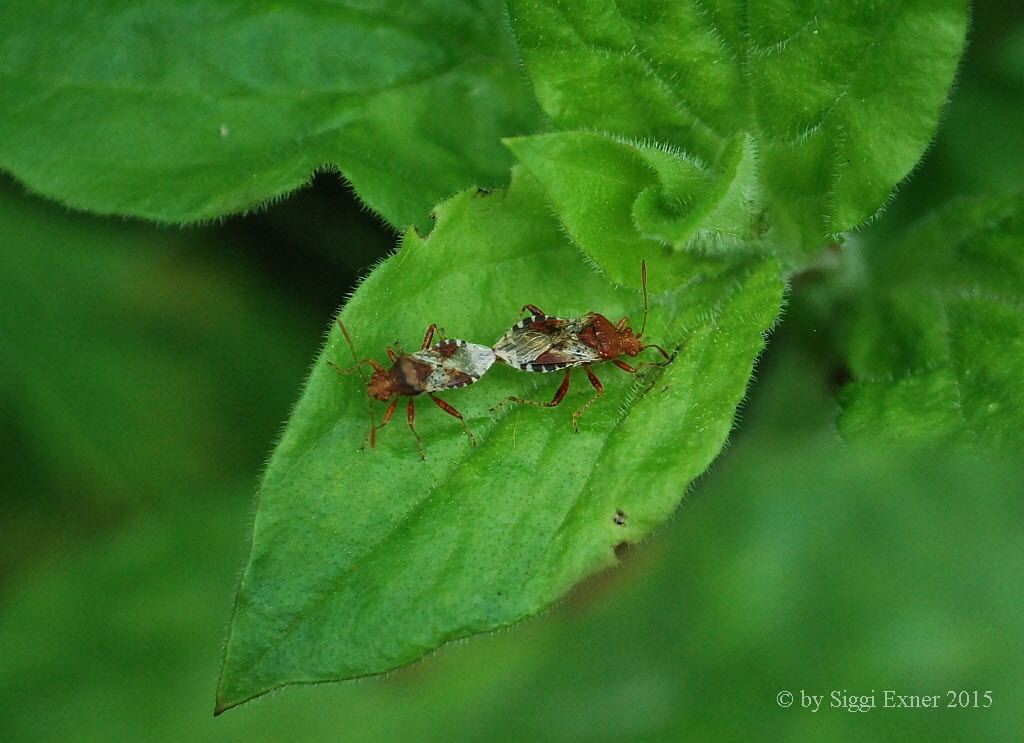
(179, 111)
(840, 98)
(365, 560)
(936, 344)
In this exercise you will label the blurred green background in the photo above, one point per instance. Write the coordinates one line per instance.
(146, 372)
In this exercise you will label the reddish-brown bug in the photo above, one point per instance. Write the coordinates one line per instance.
(541, 343)
(446, 366)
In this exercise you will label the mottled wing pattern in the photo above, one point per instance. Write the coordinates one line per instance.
(455, 364)
(545, 344)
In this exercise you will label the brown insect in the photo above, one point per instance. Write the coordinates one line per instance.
(541, 343)
(446, 366)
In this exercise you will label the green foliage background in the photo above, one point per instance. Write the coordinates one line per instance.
(145, 369)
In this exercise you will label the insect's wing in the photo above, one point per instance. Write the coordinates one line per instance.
(520, 346)
(456, 364)
(544, 344)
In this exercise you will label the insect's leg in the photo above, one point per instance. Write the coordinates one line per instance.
(391, 354)
(600, 391)
(659, 349)
(559, 395)
(371, 362)
(634, 369)
(410, 414)
(372, 435)
(453, 412)
(429, 336)
(532, 308)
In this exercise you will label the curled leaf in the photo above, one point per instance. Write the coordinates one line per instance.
(841, 99)
(621, 202)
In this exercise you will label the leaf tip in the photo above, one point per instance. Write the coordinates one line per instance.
(221, 705)
(226, 699)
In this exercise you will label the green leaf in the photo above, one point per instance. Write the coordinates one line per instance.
(936, 345)
(180, 111)
(841, 99)
(621, 202)
(366, 560)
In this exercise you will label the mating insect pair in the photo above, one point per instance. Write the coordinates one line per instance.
(538, 343)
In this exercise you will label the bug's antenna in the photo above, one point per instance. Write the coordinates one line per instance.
(359, 370)
(643, 282)
(352, 348)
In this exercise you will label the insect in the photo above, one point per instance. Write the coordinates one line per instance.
(448, 365)
(541, 343)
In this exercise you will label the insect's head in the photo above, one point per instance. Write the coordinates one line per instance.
(610, 340)
(380, 386)
(629, 342)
